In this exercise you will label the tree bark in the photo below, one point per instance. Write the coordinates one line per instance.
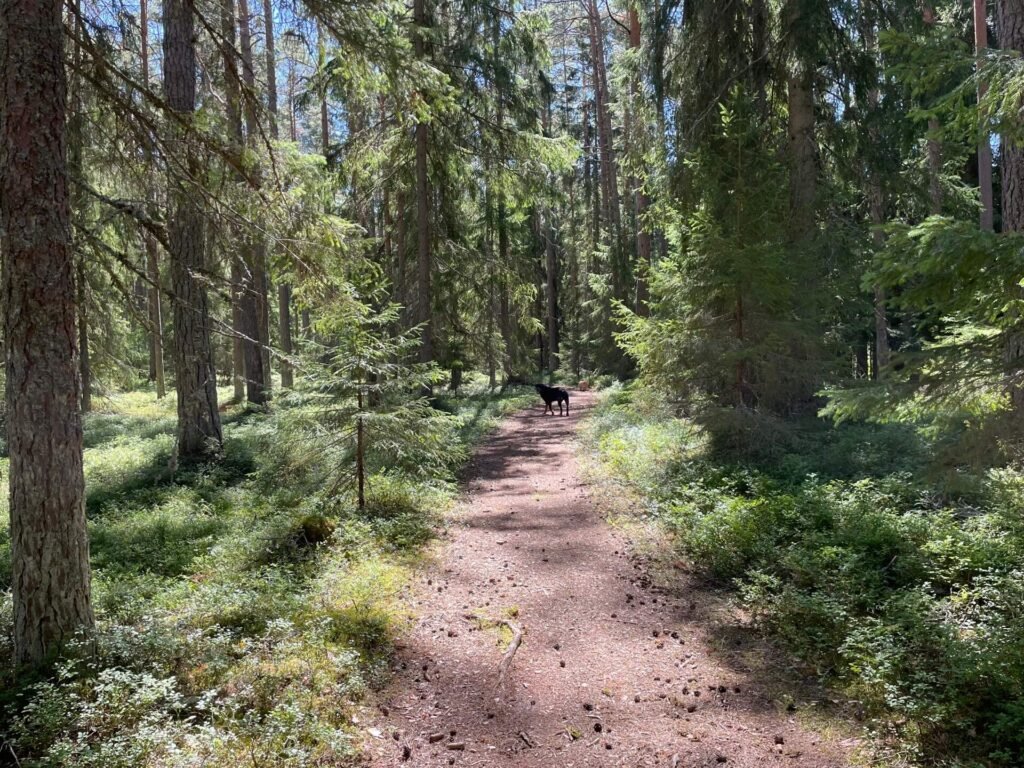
(49, 542)
(153, 308)
(933, 145)
(984, 146)
(284, 288)
(236, 139)
(254, 301)
(547, 231)
(199, 429)
(1011, 37)
(76, 138)
(876, 203)
(640, 200)
(606, 146)
(803, 153)
(423, 256)
(84, 363)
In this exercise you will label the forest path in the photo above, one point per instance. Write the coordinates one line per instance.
(611, 672)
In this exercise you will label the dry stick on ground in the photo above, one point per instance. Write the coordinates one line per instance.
(510, 652)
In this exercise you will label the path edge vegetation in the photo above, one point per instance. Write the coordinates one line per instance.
(245, 608)
(879, 583)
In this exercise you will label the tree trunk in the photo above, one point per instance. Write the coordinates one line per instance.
(803, 153)
(153, 309)
(606, 146)
(423, 258)
(84, 364)
(76, 138)
(876, 202)
(236, 139)
(984, 147)
(640, 200)
(360, 451)
(551, 273)
(49, 542)
(199, 430)
(1011, 38)
(255, 322)
(284, 288)
(155, 312)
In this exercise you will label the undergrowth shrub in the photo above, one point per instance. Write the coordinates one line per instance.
(846, 545)
(243, 608)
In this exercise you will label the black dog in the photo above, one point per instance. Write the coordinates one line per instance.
(553, 395)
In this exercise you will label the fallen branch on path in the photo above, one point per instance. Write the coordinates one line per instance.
(510, 652)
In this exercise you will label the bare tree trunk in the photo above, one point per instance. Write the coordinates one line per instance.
(546, 229)
(640, 200)
(84, 364)
(236, 139)
(284, 288)
(984, 147)
(423, 257)
(882, 350)
(199, 430)
(49, 542)
(876, 201)
(803, 152)
(256, 344)
(605, 141)
(153, 309)
(75, 132)
(271, 60)
(1011, 37)
(155, 312)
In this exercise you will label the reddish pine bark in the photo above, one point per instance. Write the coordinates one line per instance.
(49, 542)
(199, 430)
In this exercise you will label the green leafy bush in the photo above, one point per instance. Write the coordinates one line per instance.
(851, 552)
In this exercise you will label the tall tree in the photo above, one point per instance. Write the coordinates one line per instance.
(803, 146)
(254, 289)
(1010, 15)
(424, 314)
(984, 147)
(49, 542)
(199, 429)
(155, 310)
(641, 202)
(76, 167)
(611, 208)
(284, 287)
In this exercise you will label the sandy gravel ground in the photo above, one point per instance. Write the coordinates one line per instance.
(610, 672)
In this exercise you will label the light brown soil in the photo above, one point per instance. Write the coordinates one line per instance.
(611, 671)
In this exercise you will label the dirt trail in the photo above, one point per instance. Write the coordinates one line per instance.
(610, 672)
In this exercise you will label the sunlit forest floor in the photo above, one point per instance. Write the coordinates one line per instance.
(612, 670)
(242, 610)
(860, 586)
